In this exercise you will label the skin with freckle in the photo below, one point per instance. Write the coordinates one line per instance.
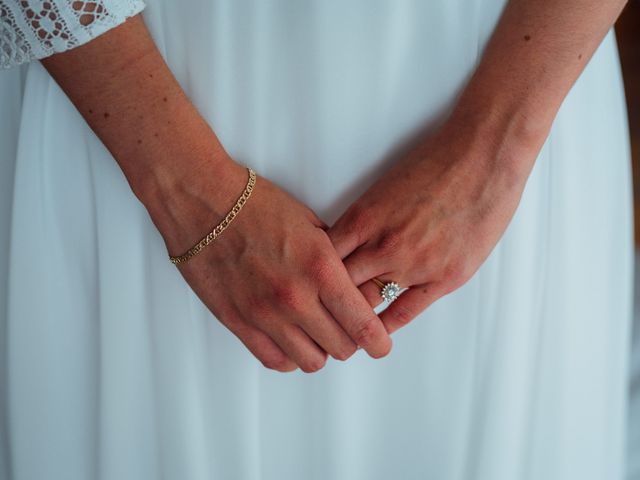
(474, 171)
(432, 242)
(467, 208)
(414, 135)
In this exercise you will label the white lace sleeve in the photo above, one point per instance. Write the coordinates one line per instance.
(34, 29)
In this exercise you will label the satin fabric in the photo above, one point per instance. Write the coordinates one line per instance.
(113, 369)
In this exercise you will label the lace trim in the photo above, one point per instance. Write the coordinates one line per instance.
(13, 46)
(34, 29)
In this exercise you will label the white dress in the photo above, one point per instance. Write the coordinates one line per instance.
(111, 367)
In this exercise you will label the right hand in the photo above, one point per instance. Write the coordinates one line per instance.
(272, 277)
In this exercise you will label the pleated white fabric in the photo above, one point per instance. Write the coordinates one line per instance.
(111, 367)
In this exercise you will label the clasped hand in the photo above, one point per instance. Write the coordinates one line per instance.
(295, 290)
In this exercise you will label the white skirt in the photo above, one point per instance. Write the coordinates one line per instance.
(112, 368)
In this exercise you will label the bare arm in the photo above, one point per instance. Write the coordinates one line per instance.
(122, 87)
(456, 192)
(535, 55)
(286, 295)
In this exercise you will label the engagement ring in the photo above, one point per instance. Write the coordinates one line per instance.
(389, 291)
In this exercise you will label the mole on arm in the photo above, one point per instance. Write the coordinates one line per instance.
(164, 99)
(527, 38)
(106, 114)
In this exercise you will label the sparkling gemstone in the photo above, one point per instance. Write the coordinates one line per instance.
(391, 291)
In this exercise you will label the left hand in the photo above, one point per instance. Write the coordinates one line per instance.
(433, 218)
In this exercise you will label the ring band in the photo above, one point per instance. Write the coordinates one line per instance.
(388, 291)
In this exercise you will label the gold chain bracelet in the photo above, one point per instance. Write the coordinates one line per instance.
(213, 234)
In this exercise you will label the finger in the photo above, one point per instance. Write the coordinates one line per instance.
(408, 305)
(262, 347)
(352, 311)
(344, 236)
(299, 347)
(371, 292)
(364, 264)
(328, 334)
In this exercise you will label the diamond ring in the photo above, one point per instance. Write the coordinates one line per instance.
(389, 291)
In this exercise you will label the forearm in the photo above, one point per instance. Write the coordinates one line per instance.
(537, 52)
(171, 158)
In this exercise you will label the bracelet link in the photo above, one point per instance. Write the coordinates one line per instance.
(218, 229)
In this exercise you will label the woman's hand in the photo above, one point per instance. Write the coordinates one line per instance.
(431, 221)
(272, 277)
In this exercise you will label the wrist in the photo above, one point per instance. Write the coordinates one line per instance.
(171, 158)
(184, 206)
(165, 163)
(180, 172)
(506, 133)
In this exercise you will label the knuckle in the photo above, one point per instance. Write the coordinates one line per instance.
(455, 275)
(389, 242)
(366, 333)
(313, 365)
(321, 268)
(260, 307)
(287, 294)
(402, 314)
(345, 353)
(277, 361)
